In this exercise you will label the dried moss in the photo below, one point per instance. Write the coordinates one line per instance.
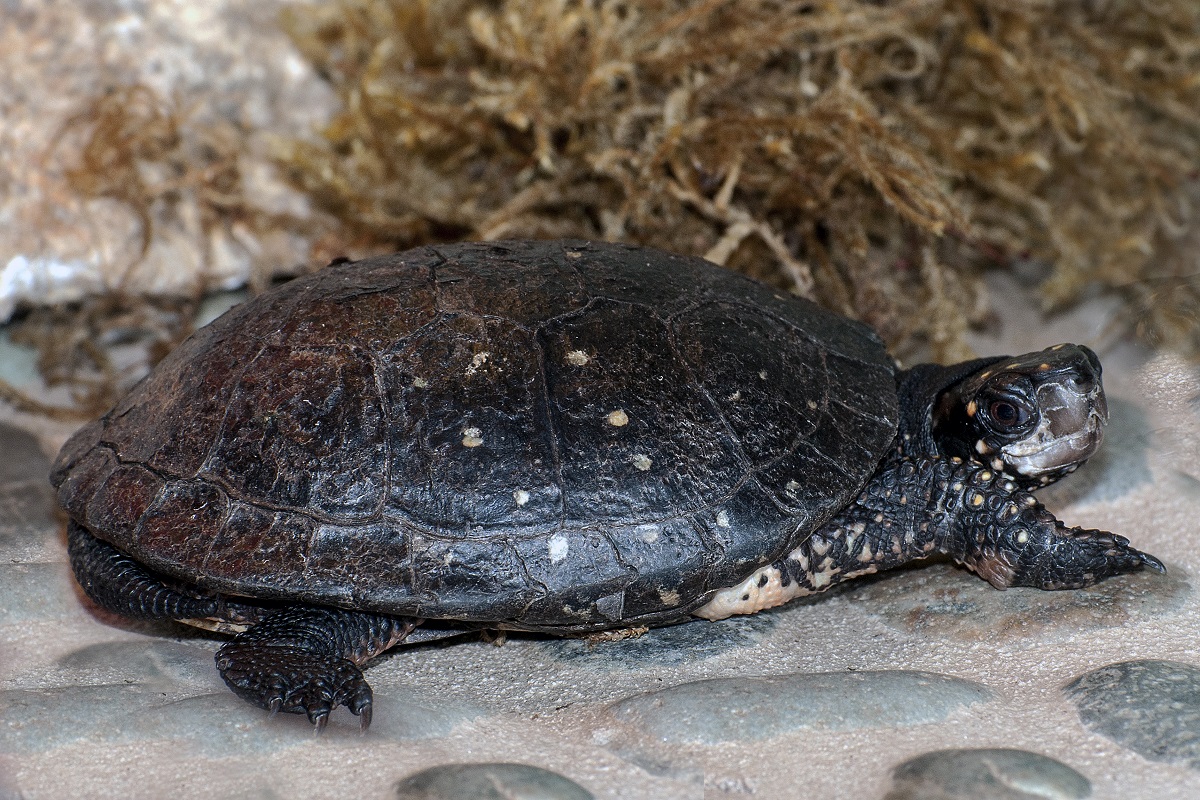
(873, 155)
(169, 169)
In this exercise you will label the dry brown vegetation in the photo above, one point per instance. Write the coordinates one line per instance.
(869, 153)
(873, 155)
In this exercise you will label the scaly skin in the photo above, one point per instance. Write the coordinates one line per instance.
(918, 506)
(306, 660)
(298, 659)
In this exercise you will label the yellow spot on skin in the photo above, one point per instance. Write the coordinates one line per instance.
(618, 418)
(722, 519)
(812, 404)
(577, 358)
(1022, 537)
(985, 476)
(574, 254)
(762, 374)
(972, 408)
(977, 500)
(669, 598)
(520, 497)
(472, 437)
(1043, 367)
(642, 461)
(420, 383)
(792, 487)
(733, 398)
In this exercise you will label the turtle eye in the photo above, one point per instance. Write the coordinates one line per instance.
(1007, 415)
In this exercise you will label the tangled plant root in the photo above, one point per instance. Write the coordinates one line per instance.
(871, 155)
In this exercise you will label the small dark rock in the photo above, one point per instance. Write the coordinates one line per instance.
(945, 601)
(750, 709)
(1150, 706)
(489, 782)
(673, 644)
(987, 774)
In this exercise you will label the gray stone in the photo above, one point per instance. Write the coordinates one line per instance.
(947, 601)
(987, 774)
(406, 714)
(38, 591)
(750, 709)
(144, 661)
(1150, 706)
(29, 528)
(673, 644)
(23, 462)
(172, 692)
(489, 782)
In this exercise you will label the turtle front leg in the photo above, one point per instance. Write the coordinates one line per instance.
(306, 659)
(914, 507)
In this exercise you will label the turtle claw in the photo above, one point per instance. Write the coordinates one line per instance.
(296, 681)
(1151, 562)
(364, 718)
(1073, 558)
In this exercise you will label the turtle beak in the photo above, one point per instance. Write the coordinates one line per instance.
(1073, 413)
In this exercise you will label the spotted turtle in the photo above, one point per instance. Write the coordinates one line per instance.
(565, 437)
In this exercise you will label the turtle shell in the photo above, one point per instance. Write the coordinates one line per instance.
(542, 435)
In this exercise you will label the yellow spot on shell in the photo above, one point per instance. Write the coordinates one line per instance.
(420, 383)
(618, 418)
(642, 461)
(577, 358)
(972, 408)
(472, 437)
(520, 497)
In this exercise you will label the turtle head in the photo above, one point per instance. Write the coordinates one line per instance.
(1037, 416)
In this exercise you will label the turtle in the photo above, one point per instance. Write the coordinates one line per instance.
(565, 437)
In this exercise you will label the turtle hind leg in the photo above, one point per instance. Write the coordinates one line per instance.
(117, 583)
(306, 660)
